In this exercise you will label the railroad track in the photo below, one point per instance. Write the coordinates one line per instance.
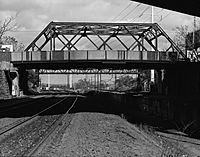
(20, 122)
(36, 150)
(55, 123)
(12, 106)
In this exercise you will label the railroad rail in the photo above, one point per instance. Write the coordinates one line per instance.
(55, 123)
(35, 150)
(20, 122)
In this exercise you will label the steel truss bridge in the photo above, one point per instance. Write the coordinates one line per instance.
(82, 45)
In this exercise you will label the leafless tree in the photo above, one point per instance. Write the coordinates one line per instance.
(7, 25)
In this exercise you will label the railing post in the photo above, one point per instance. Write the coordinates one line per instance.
(31, 55)
(87, 55)
(141, 55)
(49, 55)
(22, 56)
(50, 42)
(68, 55)
(105, 55)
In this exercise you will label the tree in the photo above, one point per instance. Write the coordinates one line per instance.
(82, 84)
(7, 25)
(125, 83)
(188, 42)
(180, 36)
(8, 40)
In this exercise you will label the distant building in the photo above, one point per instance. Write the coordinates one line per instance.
(8, 48)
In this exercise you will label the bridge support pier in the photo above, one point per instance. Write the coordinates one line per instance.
(23, 80)
(183, 84)
(4, 85)
(7, 75)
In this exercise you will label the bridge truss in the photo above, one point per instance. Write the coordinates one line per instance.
(77, 36)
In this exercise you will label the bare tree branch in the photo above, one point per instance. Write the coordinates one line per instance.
(7, 25)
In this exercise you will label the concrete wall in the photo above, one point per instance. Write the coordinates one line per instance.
(5, 56)
(4, 79)
(4, 87)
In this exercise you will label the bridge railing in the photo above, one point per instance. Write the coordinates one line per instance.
(92, 55)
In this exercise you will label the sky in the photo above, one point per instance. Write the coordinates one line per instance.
(34, 15)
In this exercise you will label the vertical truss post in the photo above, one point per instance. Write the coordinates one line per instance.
(104, 47)
(115, 81)
(87, 55)
(124, 54)
(156, 45)
(100, 80)
(141, 53)
(54, 43)
(95, 81)
(22, 56)
(50, 42)
(68, 51)
(31, 53)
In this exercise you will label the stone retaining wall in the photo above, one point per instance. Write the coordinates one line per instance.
(4, 88)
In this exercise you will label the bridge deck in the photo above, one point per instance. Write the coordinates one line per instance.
(91, 59)
(96, 64)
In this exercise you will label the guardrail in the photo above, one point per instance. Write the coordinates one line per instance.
(90, 55)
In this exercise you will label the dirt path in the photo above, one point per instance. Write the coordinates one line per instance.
(96, 134)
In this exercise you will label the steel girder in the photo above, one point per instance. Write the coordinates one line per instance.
(88, 71)
(141, 37)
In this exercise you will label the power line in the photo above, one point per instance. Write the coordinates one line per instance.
(28, 31)
(144, 11)
(126, 14)
(122, 11)
(130, 11)
(160, 11)
(139, 16)
(162, 18)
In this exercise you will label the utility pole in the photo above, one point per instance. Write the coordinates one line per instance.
(152, 14)
(193, 39)
(152, 21)
(194, 29)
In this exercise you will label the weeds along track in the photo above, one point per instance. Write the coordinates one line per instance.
(31, 132)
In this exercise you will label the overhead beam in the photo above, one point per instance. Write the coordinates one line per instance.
(186, 7)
